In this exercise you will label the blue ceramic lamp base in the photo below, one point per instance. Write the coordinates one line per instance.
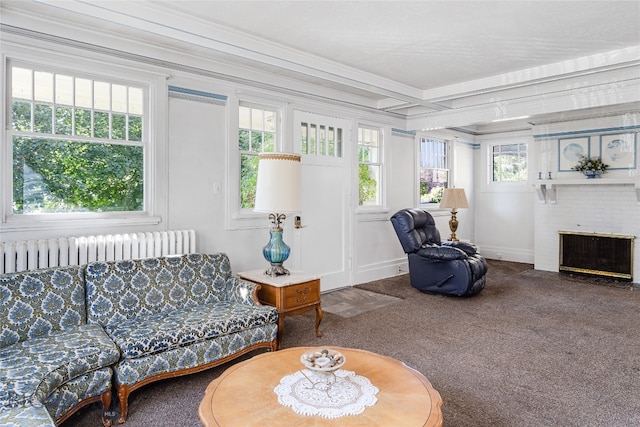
(276, 252)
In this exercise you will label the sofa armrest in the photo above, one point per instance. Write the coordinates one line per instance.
(441, 253)
(242, 291)
(468, 248)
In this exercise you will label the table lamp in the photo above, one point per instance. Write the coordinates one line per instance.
(277, 193)
(453, 198)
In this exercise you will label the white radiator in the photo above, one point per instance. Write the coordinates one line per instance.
(31, 254)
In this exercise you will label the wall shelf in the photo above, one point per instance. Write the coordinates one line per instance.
(546, 188)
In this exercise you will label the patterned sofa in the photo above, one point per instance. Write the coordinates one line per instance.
(51, 361)
(68, 333)
(174, 316)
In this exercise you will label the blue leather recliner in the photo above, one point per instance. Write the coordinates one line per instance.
(452, 268)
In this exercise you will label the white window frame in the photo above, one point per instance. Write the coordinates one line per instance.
(448, 140)
(383, 136)
(237, 217)
(491, 158)
(486, 183)
(155, 113)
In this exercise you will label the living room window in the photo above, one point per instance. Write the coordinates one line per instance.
(369, 166)
(78, 143)
(257, 131)
(509, 162)
(434, 170)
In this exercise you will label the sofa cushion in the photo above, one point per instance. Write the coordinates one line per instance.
(39, 302)
(31, 370)
(29, 416)
(118, 291)
(185, 326)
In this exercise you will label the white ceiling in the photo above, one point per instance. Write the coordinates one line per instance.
(407, 57)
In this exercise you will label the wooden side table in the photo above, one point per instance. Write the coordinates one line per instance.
(292, 294)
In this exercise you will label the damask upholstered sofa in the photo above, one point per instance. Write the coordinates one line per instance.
(68, 333)
(52, 361)
(172, 316)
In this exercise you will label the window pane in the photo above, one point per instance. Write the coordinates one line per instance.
(257, 119)
(244, 118)
(136, 101)
(84, 93)
(312, 138)
(83, 122)
(248, 180)
(101, 124)
(101, 95)
(369, 191)
(304, 135)
(322, 140)
(135, 128)
(118, 126)
(53, 176)
(269, 142)
(64, 89)
(119, 98)
(243, 140)
(256, 141)
(339, 142)
(331, 149)
(21, 83)
(43, 120)
(432, 184)
(43, 86)
(21, 116)
(64, 121)
(269, 121)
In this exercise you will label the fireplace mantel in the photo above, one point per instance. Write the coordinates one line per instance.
(546, 188)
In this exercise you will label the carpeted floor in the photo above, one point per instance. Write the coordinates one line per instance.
(530, 350)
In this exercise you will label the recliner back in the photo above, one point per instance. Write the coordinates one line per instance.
(414, 228)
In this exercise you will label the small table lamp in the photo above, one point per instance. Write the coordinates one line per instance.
(277, 193)
(454, 198)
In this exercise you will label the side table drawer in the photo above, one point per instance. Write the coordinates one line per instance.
(301, 294)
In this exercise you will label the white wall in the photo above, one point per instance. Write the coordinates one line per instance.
(503, 211)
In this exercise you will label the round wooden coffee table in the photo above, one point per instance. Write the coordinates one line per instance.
(244, 394)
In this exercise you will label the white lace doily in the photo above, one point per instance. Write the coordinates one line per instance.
(327, 395)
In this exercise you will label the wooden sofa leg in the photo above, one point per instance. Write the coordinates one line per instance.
(123, 397)
(106, 405)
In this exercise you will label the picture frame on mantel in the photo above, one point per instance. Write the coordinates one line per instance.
(570, 150)
(619, 150)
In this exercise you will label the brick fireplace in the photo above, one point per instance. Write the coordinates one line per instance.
(603, 207)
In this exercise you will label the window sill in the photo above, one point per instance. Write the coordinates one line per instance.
(40, 223)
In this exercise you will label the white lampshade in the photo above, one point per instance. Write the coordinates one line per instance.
(278, 188)
(454, 198)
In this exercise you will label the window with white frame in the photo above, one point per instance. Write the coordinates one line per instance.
(434, 170)
(509, 162)
(369, 166)
(78, 142)
(257, 131)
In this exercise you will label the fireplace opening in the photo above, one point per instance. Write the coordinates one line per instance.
(597, 254)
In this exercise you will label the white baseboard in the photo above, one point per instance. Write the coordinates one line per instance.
(370, 272)
(508, 254)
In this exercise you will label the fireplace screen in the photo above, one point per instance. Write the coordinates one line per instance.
(599, 254)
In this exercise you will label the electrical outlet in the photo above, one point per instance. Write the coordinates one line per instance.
(398, 269)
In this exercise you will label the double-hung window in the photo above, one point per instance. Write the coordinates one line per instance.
(257, 131)
(509, 162)
(78, 143)
(434, 170)
(369, 166)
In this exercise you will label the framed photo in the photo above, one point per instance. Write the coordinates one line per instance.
(570, 150)
(619, 150)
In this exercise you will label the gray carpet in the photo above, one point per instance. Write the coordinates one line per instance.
(529, 350)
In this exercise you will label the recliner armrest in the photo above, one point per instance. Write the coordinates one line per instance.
(442, 253)
(468, 248)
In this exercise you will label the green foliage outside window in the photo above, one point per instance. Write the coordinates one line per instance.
(510, 162)
(53, 176)
(368, 186)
